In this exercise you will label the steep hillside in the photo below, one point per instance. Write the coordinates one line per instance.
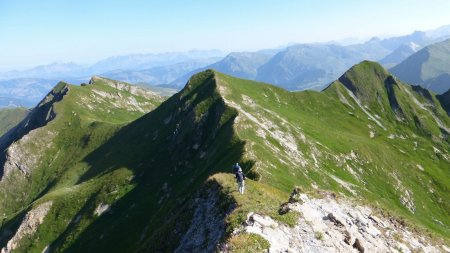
(9, 117)
(68, 121)
(428, 67)
(374, 149)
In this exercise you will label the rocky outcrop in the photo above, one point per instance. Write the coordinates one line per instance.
(13, 143)
(135, 90)
(207, 226)
(101, 208)
(328, 225)
(28, 227)
(25, 154)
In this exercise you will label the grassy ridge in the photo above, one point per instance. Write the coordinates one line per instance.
(86, 117)
(367, 136)
(382, 169)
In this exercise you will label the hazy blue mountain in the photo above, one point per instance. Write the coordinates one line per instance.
(307, 66)
(51, 71)
(295, 67)
(429, 67)
(24, 92)
(399, 54)
(242, 65)
(160, 74)
(73, 71)
(443, 31)
(146, 61)
(312, 66)
(417, 37)
(239, 64)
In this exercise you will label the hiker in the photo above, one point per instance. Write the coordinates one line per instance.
(236, 168)
(240, 179)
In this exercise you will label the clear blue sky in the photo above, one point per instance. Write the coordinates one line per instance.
(38, 32)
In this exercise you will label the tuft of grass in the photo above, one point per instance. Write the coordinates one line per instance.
(318, 235)
(247, 243)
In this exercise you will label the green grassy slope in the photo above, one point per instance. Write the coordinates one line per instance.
(367, 136)
(9, 117)
(128, 166)
(319, 139)
(66, 126)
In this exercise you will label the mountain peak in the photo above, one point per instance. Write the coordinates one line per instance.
(365, 78)
(372, 86)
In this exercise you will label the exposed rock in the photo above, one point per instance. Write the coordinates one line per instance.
(342, 226)
(12, 156)
(284, 209)
(20, 158)
(347, 237)
(263, 221)
(334, 220)
(207, 225)
(28, 227)
(135, 90)
(101, 208)
(357, 245)
(295, 195)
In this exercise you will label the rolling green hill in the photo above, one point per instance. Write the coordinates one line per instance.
(429, 67)
(100, 177)
(9, 117)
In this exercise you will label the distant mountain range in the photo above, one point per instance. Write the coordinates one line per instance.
(24, 91)
(51, 71)
(147, 61)
(295, 67)
(159, 74)
(313, 66)
(126, 62)
(239, 64)
(399, 54)
(429, 67)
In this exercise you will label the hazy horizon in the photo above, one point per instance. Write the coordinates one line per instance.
(45, 32)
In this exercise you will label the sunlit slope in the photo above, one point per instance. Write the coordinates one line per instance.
(68, 124)
(367, 137)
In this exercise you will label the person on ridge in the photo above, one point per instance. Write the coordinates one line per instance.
(236, 168)
(240, 179)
